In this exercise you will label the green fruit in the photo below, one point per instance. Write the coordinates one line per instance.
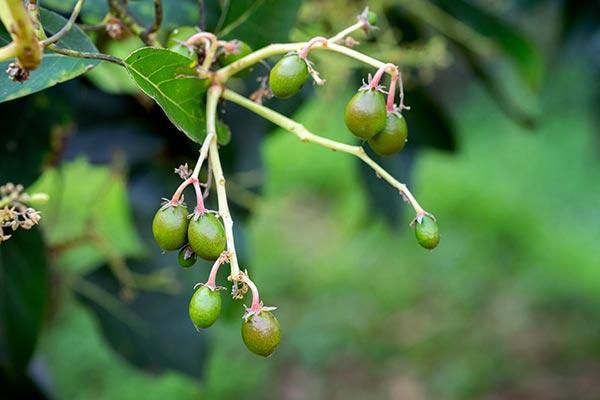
(242, 50)
(372, 18)
(186, 262)
(169, 227)
(205, 307)
(261, 333)
(392, 137)
(365, 114)
(206, 235)
(427, 233)
(179, 35)
(287, 76)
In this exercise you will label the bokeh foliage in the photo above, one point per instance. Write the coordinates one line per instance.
(505, 308)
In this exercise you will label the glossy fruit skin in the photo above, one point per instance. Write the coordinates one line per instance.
(186, 262)
(261, 333)
(427, 233)
(169, 227)
(207, 237)
(372, 18)
(365, 113)
(179, 35)
(288, 76)
(392, 137)
(205, 307)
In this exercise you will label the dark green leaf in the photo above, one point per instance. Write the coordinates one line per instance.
(23, 279)
(170, 80)
(25, 141)
(55, 68)
(258, 22)
(514, 44)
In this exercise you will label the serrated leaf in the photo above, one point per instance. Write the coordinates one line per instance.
(23, 283)
(55, 68)
(170, 79)
(87, 216)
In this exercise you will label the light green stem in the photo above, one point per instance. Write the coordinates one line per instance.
(211, 114)
(308, 137)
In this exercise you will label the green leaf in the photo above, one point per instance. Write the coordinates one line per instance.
(252, 20)
(170, 79)
(88, 212)
(23, 282)
(55, 68)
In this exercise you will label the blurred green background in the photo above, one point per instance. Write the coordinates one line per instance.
(503, 149)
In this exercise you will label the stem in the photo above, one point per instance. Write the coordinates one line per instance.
(392, 93)
(213, 96)
(65, 29)
(308, 137)
(179, 191)
(7, 52)
(225, 73)
(303, 53)
(212, 276)
(349, 30)
(158, 17)
(82, 54)
(119, 9)
(15, 18)
(256, 307)
(389, 68)
(199, 37)
(199, 197)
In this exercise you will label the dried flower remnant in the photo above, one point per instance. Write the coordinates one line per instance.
(16, 211)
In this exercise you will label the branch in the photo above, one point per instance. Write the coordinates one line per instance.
(308, 137)
(119, 10)
(20, 26)
(82, 54)
(65, 29)
(158, 17)
(211, 110)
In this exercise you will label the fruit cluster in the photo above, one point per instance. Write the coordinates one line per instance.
(207, 234)
(201, 234)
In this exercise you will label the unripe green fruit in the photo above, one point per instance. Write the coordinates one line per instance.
(372, 18)
(366, 113)
(392, 137)
(287, 76)
(186, 262)
(206, 235)
(427, 233)
(179, 35)
(205, 307)
(170, 226)
(261, 333)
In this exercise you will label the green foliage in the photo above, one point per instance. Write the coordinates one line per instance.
(55, 68)
(247, 19)
(89, 213)
(23, 290)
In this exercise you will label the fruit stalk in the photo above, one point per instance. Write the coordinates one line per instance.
(308, 137)
(255, 306)
(223, 74)
(214, 93)
(340, 36)
(20, 26)
(67, 27)
(212, 276)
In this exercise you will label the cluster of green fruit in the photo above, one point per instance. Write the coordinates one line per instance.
(202, 235)
(366, 116)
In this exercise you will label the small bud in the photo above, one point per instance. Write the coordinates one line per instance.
(37, 199)
(17, 73)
